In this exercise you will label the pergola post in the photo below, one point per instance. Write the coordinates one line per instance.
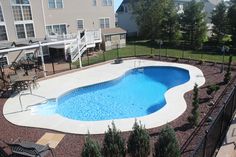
(42, 59)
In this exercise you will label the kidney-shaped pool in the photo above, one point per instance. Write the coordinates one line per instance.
(139, 92)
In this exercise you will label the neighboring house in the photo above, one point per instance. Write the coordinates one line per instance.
(126, 20)
(25, 21)
(113, 38)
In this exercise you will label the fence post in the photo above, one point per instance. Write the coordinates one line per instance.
(159, 54)
(134, 48)
(201, 55)
(117, 51)
(151, 46)
(87, 56)
(52, 60)
(205, 143)
(166, 52)
(103, 53)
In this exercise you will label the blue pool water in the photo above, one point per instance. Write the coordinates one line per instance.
(138, 93)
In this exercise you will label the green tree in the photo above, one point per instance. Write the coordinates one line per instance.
(157, 19)
(194, 118)
(114, 144)
(227, 75)
(170, 27)
(220, 22)
(167, 144)
(91, 148)
(139, 141)
(193, 24)
(143, 11)
(232, 21)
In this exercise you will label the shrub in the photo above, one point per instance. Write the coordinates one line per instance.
(212, 89)
(167, 145)
(194, 118)
(114, 144)
(227, 75)
(139, 141)
(91, 148)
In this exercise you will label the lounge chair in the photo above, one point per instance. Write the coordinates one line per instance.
(24, 148)
(5, 150)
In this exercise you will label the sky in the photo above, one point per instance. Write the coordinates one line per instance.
(117, 4)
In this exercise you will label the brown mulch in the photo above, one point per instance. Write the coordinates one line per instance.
(72, 144)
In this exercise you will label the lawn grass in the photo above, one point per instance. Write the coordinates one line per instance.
(144, 49)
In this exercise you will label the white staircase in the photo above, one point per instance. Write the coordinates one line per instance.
(83, 40)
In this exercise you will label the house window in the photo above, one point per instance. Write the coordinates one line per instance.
(3, 33)
(27, 13)
(56, 29)
(80, 24)
(55, 4)
(20, 31)
(17, 13)
(104, 23)
(29, 30)
(94, 2)
(29, 55)
(107, 38)
(20, 1)
(21, 10)
(107, 2)
(122, 36)
(3, 61)
(25, 30)
(126, 9)
(1, 15)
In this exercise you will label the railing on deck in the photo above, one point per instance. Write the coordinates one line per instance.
(85, 39)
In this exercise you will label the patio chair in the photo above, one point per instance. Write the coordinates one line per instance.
(6, 88)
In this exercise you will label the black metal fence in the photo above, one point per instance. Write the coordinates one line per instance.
(134, 49)
(215, 134)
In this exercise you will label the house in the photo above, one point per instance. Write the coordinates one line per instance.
(26, 22)
(126, 20)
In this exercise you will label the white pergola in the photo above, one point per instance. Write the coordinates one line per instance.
(40, 45)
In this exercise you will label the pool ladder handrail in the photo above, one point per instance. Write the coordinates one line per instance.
(22, 94)
(135, 63)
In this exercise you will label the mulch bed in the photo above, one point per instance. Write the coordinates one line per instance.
(72, 144)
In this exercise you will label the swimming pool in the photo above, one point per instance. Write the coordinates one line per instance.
(105, 75)
(137, 93)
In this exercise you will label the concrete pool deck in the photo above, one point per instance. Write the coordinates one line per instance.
(57, 86)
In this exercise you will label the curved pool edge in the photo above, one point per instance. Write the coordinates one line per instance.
(166, 114)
